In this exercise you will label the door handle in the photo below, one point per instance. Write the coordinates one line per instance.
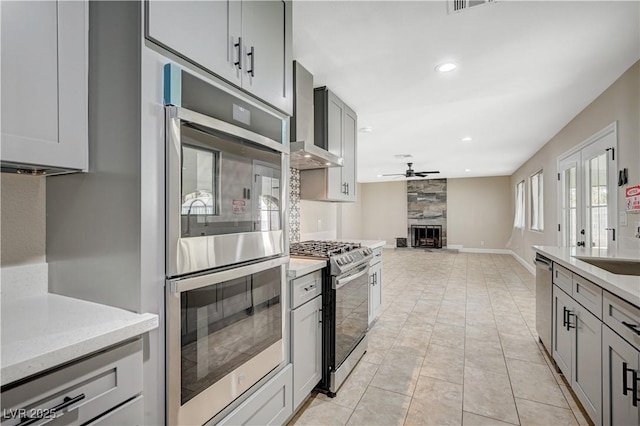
(634, 383)
(564, 317)
(569, 315)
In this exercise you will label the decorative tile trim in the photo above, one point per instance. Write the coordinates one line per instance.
(294, 206)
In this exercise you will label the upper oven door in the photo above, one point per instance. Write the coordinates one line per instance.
(225, 193)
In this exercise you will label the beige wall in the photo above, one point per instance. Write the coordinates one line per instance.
(384, 211)
(479, 212)
(22, 219)
(619, 102)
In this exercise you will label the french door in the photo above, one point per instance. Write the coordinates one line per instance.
(587, 192)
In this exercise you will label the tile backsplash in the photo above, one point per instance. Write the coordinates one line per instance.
(294, 206)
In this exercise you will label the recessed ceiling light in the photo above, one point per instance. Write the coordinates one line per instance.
(446, 67)
(467, 170)
(466, 139)
(327, 164)
(365, 129)
(379, 175)
(307, 156)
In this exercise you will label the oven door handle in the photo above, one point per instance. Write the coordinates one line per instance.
(344, 281)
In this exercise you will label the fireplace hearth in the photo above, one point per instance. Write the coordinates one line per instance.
(428, 236)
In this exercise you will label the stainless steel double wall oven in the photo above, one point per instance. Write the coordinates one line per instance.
(226, 251)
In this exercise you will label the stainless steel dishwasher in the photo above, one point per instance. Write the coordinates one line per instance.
(544, 299)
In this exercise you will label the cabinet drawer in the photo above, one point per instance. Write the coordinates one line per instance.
(270, 405)
(622, 317)
(128, 414)
(97, 384)
(563, 278)
(305, 288)
(377, 256)
(588, 295)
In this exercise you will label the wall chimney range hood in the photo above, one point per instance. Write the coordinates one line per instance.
(304, 153)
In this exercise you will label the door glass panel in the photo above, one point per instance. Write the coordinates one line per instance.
(598, 200)
(570, 207)
(225, 325)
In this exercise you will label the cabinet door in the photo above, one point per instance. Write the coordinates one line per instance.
(562, 337)
(306, 339)
(375, 291)
(203, 32)
(336, 188)
(617, 400)
(349, 153)
(44, 83)
(267, 67)
(587, 361)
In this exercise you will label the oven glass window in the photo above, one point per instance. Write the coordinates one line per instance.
(352, 316)
(226, 324)
(229, 185)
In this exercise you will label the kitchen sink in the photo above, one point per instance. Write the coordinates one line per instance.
(620, 267)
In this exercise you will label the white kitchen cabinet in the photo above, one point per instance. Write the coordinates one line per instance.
(90, 390)
(561, 347)
(306, 334)
(375, 285)
(335, 127)
(621, 367)
(306, 340)
(44, 85)
(577, 343)
(247, 43)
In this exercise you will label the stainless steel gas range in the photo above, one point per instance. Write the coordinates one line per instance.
(345, 304)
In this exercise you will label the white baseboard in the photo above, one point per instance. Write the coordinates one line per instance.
(483, 250)
(528, 266)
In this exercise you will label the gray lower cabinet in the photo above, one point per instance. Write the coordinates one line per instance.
(44, 72)
(104, 389)
(270, 405)
(375, 285)
(306, 349)
(577, 344)
(247, 43)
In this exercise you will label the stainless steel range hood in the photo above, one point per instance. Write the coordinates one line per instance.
(304, 154)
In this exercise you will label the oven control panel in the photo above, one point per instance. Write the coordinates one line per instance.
(346, 261)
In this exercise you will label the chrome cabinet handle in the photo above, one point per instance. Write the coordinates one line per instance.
(239, 46)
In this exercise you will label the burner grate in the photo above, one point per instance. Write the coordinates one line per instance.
(322, 248)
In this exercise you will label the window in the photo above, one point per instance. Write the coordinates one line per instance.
(537, 202)
(518, 220)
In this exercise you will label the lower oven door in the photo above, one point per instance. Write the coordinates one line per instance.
(224, 334)
(351, 311)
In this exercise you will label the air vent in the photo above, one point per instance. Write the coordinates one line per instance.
(460, 5)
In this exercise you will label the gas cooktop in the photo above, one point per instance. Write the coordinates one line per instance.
(342, 256)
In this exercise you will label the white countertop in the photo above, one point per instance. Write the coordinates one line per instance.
(626, 287)
(300, 267)
(41, 330)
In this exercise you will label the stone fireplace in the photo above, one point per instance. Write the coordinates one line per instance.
(427, 213)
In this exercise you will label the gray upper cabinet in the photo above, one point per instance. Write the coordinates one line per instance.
(44, 85)
(247, 43)
(204, 32)
(335, 127)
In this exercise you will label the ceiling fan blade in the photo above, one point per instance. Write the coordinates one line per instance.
(394, 174)
(427, 173)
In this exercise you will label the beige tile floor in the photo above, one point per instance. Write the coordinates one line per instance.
(455, 344)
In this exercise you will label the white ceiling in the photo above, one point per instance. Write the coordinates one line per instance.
(525, 69)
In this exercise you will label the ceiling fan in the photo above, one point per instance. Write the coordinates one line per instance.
(411, 173)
